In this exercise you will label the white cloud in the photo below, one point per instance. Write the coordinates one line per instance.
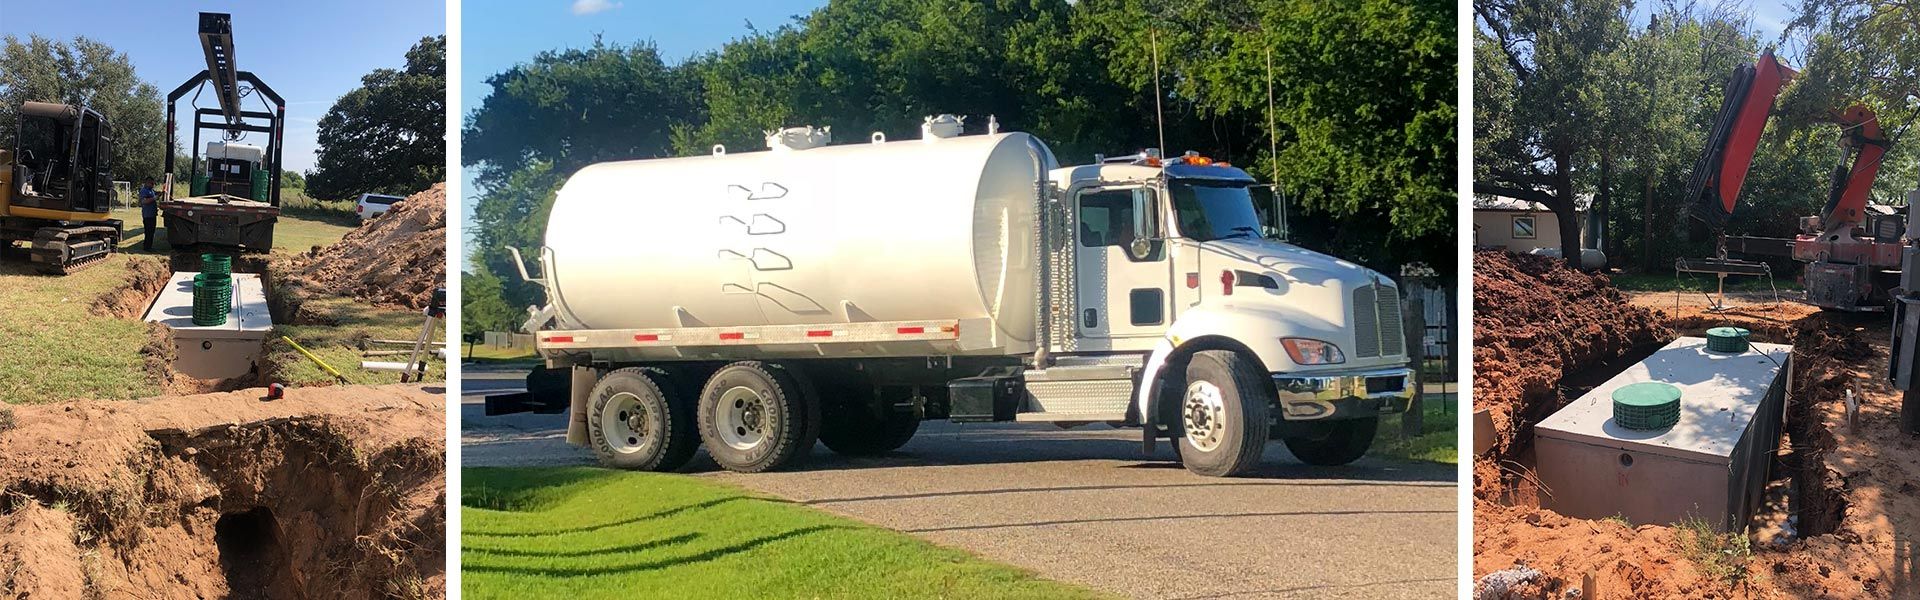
(588, 7)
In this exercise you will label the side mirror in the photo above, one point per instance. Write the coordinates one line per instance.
(1146, 221)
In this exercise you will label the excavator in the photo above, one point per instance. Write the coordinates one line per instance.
(1851, 250)
(56, 188)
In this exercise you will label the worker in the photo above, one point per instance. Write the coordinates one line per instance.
(149, 211)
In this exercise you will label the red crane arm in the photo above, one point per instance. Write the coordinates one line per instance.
(1852, 181)
(1715, 187)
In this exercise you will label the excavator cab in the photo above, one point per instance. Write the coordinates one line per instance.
(56, 188)
(62, 164)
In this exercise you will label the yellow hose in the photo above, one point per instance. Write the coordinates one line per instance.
(316, 360)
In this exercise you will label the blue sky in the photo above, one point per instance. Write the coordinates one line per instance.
(309, 52)
(498, 34)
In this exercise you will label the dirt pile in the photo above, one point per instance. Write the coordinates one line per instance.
(328, 493)
(1534, 322)
(398, 258)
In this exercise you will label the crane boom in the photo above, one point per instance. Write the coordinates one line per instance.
(216, 42)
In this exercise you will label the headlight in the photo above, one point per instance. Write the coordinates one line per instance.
(1308, 351)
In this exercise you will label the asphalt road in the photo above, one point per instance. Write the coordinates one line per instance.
(1086, 506)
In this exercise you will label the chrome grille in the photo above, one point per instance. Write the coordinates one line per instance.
(1366, 323)
(1376, 322)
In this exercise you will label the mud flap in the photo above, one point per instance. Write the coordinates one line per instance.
(584, 379)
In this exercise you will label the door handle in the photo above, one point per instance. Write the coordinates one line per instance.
(1091, 318)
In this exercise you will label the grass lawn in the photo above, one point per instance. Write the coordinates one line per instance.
(581, 533)
(352, 320)
(52, 349)
(1667, 282)
(481, 353)
(1439, 440)
(297, 231)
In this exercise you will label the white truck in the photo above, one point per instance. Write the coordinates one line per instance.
(758, 302)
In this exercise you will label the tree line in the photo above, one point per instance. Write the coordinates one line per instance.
(1364, 92)
(388, 135)
(1606, 105)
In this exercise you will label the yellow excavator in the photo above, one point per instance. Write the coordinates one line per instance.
(56, 188)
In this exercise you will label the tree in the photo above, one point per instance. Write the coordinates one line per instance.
(388, 135)
(90, 73)
(1546, 58)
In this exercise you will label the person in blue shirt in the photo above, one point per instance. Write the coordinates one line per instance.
(149, 211)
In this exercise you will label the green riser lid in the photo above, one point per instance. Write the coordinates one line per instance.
(1728, 339)
(1646, 406)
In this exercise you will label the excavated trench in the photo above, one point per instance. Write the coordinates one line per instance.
(1545, 335)
(136, 294)
(334, 493)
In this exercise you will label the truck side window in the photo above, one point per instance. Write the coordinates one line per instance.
(1106, 218)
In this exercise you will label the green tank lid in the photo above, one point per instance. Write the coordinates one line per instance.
(1727, 339)
(1646, 406)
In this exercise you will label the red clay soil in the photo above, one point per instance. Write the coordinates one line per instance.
(1856, 487)
(396, 259)
(328, 493)
(1533, 321)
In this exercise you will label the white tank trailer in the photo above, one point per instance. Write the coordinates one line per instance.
(755, 302)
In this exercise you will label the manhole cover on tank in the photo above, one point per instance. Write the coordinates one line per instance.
(1727, 339)
(1646, 405)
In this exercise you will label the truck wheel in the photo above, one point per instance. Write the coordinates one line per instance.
(756, 416)
(638, 420)
(1335, 443)
(1223, 413)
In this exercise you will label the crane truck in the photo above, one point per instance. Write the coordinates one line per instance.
(234, 193)
(1851, 251)
(757, 302)
(56, 187)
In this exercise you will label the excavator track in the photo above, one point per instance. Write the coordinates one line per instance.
(63, 250)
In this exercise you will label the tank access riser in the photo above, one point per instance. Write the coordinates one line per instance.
(61, 249)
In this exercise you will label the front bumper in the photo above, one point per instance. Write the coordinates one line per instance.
(1334, 395)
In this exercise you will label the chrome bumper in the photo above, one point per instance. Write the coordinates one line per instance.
(1343, 394)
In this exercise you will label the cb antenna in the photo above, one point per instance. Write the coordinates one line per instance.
(1159, 119)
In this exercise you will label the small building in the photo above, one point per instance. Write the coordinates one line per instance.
(1520, 225)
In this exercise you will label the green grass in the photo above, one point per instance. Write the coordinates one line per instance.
(349, 320)
(582, 533)
(1667, 282)
(1720, 556)
(52, 349)
(481, 353)
(1439, 439)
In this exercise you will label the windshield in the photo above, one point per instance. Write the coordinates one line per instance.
(1210, 211)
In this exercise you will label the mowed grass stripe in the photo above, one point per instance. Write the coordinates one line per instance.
(591, 533)
(53, 349)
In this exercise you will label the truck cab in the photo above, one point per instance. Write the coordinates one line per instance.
(234, 170)
(1172, 257)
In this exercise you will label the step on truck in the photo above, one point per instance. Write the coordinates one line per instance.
(753, 303)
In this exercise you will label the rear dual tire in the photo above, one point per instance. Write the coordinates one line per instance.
(639, 419)
(757, 416)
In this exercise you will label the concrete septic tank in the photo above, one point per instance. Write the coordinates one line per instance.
(1712, 464)
(214, 351)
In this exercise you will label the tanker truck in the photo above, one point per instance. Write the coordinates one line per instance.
(754, 303)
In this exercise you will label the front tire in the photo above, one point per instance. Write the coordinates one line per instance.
(638, 420)
(756, 416)
(1223, 412)
(1335, 443)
